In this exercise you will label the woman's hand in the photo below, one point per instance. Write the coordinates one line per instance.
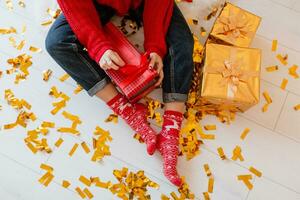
(111, 60)
(157, 64)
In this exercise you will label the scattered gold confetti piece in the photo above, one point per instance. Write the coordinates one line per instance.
(282, 59)
(88, 193)
(221, 153)
(64, 77)
(210, 127)
(85, 147)
(73, 149)
(206, 196)
(246, 179)
(265, 107)
(267, 97)
(8, 31)
(46, 23)
(210, 185)
(283, 84)
(46, 179)
(112, 118)
(23, 29)
(297, 107)
(9, 4)
(35, 49)
(274, 45)
(245, 133)
(138, 137)
(21, 45)
(66, 184)
(78, 89)
(203, 31)
(85, 181)
(54, 13)
(255, 172)
(80, 192)
(21, 3)
(207, 170)
(47, 74)
(237, 154)
(99, 144)
(59, 142)
(46, 167)
(272, 68)
(192, 21)
(293, 71)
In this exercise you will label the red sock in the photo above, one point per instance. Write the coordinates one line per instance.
(135, 117)
(168, 142)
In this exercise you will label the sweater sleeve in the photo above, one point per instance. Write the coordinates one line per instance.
(157, 16)
(85, 23)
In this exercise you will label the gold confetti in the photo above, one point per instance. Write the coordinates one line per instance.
(112, 118)
(293, 71)
(206, 195)
(213, 13)
(207, 170)
(48, 124)
(221, 153)
(9, 4)
(99, 144)
(65, 184)
(192, 21)
(297, 107)
(265, 107)
(21, 45)
(282, 59)
(267, 97)
(47, 74)
(35, 49)
(203, 31)
(245, 133)
(46, 23)
(23, 29)
(237, 154)
(246, 179)
(283, 84)
(21, 63)
(64, 77)
(80, 192)
(21, 3)
(46, 167)
(272, 68)
(54, 13)
(73, 149)
(85, 181)
(210, 185)
(138, 137)
(10, 30)
(255, 172)
(78, 89)
(46, 179)
(210, 127)
(88, 193)
(274, 45)
(85, 147)
(59, 142)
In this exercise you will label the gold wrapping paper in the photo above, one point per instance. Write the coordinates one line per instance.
(231, 77)
(235, 26)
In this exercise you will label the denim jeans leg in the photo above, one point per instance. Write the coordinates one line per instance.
(64, 47)
(178, 63)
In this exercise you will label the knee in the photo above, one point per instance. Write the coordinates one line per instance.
(51, 43)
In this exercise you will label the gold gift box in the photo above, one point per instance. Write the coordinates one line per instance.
(231, 77)
(235, 26)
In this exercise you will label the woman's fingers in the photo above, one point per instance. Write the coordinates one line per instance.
(117, 59)
(112, 65)
(161, 77)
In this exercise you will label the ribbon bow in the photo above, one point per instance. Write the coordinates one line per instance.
(235, 25)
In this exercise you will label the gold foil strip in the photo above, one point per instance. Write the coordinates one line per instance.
(10, 30)
(64, 77)
(85, 181)
(85, 147)
(72, 151)
(65, 183)
(21, 3)
(284, 84)
(68, 130)
(54, 13)
(267, 97)
(255, 172)
(46, 179)
(88, 193)
(274, 45)
(35, 49)
(237, 154)
(59, 142)
(265, 107)
(46, 167)
(78, 89)
(47, 74)
(100, 146)
(206, 196)
(46, 23)
(297, 107)
(112, 118)
(207, 170)
(293, 71)
(245, 133)
(23, 29)
(48, 124)
(272, 68)
(210, 127)
(282, 59)
(246, 179)
(80, 192)
(221, 153)
(202, 31)
(210, 185)
(9, 4)
(21, 45)
(192, 21)
(138, 137)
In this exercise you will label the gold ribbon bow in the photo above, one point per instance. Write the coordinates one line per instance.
(232, 73)
(235, 25)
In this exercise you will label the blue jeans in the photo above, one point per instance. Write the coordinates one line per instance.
(64, 47)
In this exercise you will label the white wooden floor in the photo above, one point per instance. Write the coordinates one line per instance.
(272, 146)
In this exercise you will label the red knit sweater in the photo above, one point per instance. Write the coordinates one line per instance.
(84, 21)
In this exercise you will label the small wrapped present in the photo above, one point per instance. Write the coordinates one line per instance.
(231, 77)
(235, 26)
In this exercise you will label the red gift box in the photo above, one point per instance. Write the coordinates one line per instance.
(135, 79)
